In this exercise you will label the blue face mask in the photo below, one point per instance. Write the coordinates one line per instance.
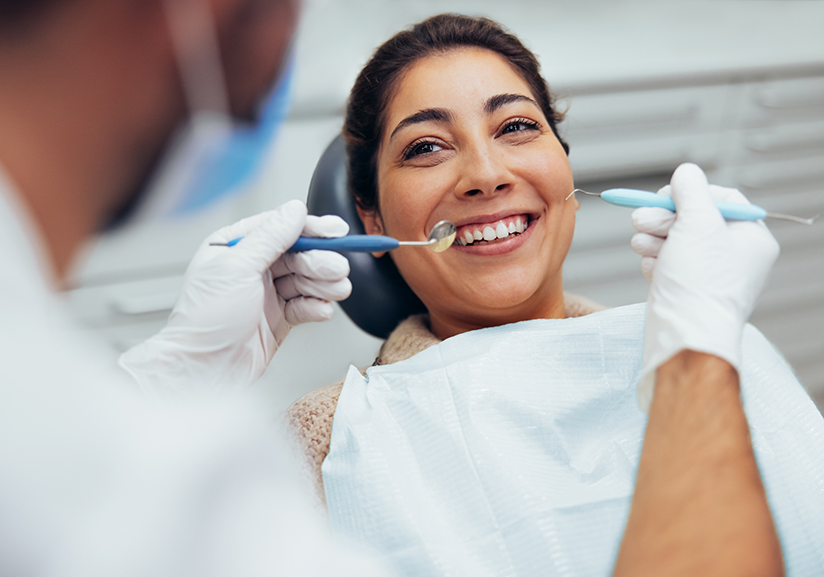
(213, 156)
(230, 163)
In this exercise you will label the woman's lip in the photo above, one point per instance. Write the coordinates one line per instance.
(504, 246)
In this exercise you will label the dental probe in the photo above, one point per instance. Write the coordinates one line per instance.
(630, 198)
(441, 238)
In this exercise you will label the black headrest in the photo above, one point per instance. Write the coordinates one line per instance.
(380, 297)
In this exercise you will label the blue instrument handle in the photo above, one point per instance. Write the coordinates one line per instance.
(351, 243)
(630, 198)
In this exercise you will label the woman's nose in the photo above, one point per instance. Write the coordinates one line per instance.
(483, 172)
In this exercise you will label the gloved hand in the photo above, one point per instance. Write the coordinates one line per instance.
(238, 303)
(705, 274)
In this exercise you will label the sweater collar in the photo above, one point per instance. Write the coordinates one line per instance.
(414, 335)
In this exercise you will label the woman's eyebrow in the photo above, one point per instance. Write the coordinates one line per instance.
(441, 115)
(496, 102)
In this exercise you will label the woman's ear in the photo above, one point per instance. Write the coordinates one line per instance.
(372, 224)
(574, 198)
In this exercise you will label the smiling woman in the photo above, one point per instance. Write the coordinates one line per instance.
(452, 120)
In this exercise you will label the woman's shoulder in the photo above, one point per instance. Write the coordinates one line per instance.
(309, 419)
(313, 412)
(309, 424)
(311, 415)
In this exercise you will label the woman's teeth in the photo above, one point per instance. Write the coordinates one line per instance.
(493, 231)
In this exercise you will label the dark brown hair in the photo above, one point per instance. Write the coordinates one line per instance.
(366, 108)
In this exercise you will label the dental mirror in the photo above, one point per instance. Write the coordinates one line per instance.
(441, 237)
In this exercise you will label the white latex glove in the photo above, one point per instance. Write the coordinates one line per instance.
(238, 303)
(705, 274)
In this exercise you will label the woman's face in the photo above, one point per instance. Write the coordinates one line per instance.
(466, 142)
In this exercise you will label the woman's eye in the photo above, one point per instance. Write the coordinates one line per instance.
(520, 125)
(420, 148)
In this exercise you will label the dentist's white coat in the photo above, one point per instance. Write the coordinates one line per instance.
(95, 480)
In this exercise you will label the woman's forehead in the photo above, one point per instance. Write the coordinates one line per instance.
(461, 79)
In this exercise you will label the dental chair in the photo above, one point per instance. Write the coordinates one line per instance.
(380, 297)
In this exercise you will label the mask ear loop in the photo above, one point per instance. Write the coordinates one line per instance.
(210, 154)
(194, 39)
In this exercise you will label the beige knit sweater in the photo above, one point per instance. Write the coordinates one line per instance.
(309, 420)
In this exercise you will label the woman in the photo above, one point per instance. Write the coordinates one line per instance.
(485, 155)
(451, 120)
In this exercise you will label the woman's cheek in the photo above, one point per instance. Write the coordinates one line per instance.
(402, 206)
(415, 195)
(545, 170)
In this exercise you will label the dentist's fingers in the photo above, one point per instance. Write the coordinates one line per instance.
(648, 247)
(646, 244)
(693, 201)
(307, 310)
(653, 220)
(317, 264)
(648, 267)
(328, 226)
(292, 286)
(658, 221)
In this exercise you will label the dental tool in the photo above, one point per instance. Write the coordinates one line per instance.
(441, 238)
(630, 198)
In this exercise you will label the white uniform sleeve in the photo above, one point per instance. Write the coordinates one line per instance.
(96, 482)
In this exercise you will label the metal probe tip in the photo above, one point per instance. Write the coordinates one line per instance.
(582, 191)
(791, 218)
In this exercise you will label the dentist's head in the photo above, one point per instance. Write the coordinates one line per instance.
(95, 92)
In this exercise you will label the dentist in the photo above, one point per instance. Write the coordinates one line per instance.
(98, 99)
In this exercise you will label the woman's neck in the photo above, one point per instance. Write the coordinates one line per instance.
(446, 323)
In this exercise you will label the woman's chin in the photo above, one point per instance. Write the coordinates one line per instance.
(499, 303)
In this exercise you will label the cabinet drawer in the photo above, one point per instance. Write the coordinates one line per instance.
(592, 161)
(784, 101)
(798, 174)
(785, 142)
(624, 116)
